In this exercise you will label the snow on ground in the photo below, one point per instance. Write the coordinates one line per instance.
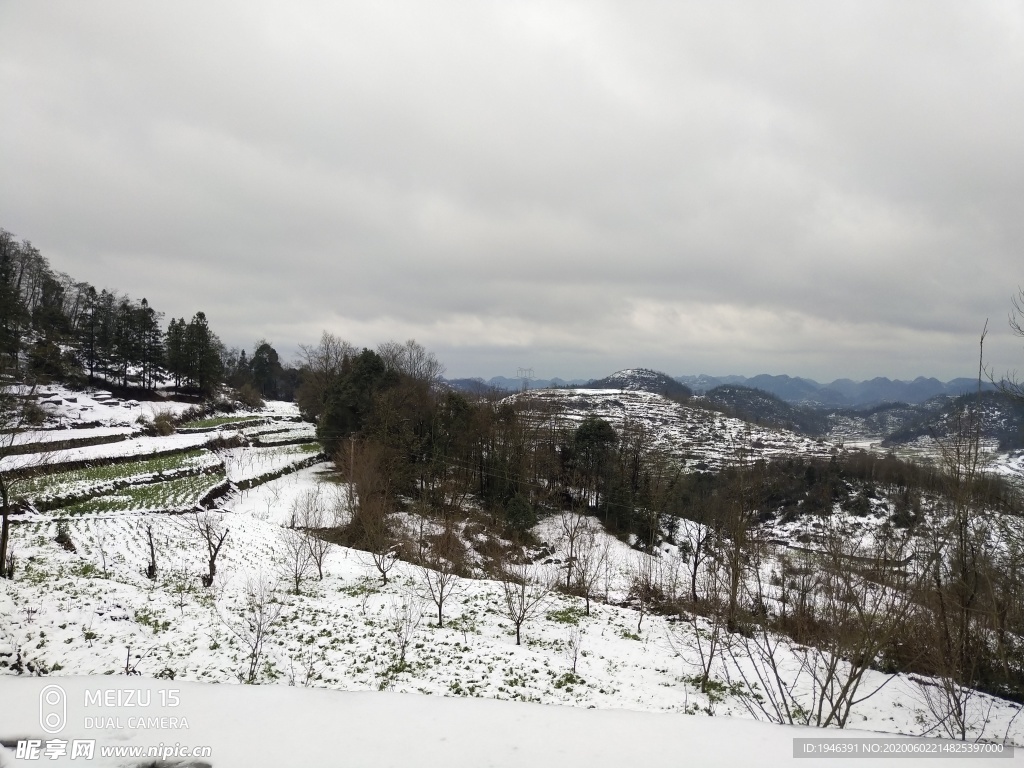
(89, 609)
(274, 727)
(1009, 465)
(68, 406)
(140, 446)
(249, 463)
(279, 432)
(65, 616)
(34, 436)
(702, 439)
(274, 501)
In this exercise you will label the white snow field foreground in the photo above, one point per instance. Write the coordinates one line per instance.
(280, 727)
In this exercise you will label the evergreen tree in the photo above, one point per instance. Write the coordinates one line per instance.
(203, 349)
(351, 400)
(266, 370)
(151, 343)
(176, 359)
(11, 307)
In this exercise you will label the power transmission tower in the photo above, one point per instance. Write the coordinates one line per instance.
(526, 374)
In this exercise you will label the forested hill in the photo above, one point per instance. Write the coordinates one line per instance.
(764, 408)
(54, 327)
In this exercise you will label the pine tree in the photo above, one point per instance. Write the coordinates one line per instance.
(175, 351)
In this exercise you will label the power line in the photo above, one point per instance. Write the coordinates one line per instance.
(526, 374)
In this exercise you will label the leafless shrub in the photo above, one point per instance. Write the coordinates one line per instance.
(311, 512)
(404, 616)
(255, 621)
(574, 645)
(591, 561)
(525, 591)
(440, 570)
(295, 561)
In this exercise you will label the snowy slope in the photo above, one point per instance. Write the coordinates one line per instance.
(88, 609)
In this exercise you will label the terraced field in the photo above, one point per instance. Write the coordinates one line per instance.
(172, 474)
(64, 489)
(177, 495)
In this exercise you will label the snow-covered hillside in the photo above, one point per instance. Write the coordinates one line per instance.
(81, 604)
(702, 439)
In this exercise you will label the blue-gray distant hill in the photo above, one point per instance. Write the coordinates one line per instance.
(504, 384)
(841, 393)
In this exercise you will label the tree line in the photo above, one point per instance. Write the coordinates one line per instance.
(58, 328)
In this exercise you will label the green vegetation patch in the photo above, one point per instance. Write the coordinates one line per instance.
(570, 615)
(80, 481)
(215, 421)
(179, 493)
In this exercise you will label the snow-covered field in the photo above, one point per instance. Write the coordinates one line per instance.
(275, 727)
(86, 607)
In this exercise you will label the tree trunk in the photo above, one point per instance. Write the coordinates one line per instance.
(5, 528)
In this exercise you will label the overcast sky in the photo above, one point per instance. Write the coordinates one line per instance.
(823, 189)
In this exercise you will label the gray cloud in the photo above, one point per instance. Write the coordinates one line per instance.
(820, 189)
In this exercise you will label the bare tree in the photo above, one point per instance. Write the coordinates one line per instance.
(591, 558)
(310, 512)
(1010, 384)
(698, 546)
(854, 599)
(412, 360)
(310, 660)
(384, 560)
(440, 571)
(574, 526)
(321, 367)
(403, 620)
(704, 624)
(255, 621)
(369, 526)
(960, 551)
(151, 568)
(180, 585)
(101, 544)
(295, 561)
(17, 412)
(645, 587)
(211, 529)
(574, 645)
(525, 592)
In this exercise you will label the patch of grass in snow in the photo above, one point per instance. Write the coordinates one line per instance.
(570, 615)
(148, 618)
(215, 421)
(567, 680)
(361, 588)
(179, 493)
(73, 480)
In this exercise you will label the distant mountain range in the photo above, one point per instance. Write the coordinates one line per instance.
(896, 411)
(841, 393)
(503, 383)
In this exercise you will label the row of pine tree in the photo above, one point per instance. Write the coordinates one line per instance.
(64, 329)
